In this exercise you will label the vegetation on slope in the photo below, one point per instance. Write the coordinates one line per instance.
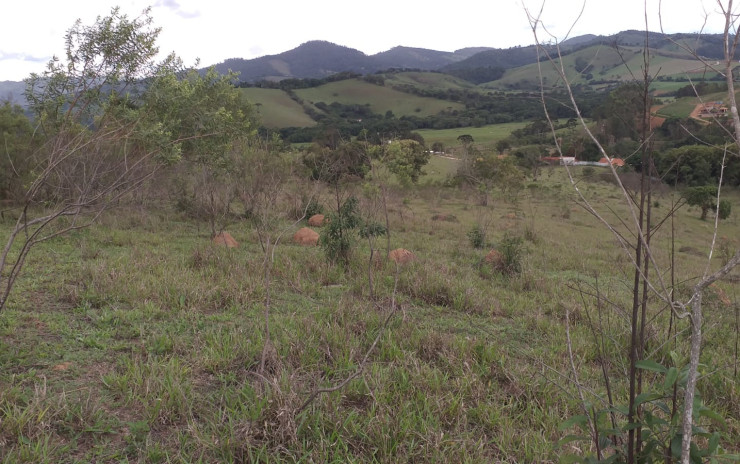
(144, 338)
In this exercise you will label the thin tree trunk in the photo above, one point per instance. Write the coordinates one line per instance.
(696, 323)
(387, 223)
(634, 344)
(267, 281)
(370, 267)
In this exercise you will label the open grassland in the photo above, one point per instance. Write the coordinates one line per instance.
(381, 99)
(664, 65)
(602, 60)
(682, 107)
(606, 63)
(678, 108)
(484, 136)
(428, 80)
(137, 340)
(440, 169)
(277, 109)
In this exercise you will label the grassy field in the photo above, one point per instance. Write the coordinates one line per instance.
(138, 340)
(678, 108)
(606, 63)
(380, 98)
(682, 107)
(439, 169)
(428, 80)
(485, 136)
(277, 109)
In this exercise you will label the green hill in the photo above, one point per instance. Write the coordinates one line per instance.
(432, 101)
(682, 107)
(601, 63)
(380, 99)
(427, 81)
(277, 109)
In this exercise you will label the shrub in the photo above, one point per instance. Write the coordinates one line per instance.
(724, 209)
(339, 237)
(530, 234)
(477, 236)
(511, 249)
(312, 208)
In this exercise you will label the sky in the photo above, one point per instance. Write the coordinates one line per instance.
(212, 31)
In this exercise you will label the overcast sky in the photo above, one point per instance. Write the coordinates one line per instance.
(214, 30)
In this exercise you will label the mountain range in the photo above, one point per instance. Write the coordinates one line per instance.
(319, 59)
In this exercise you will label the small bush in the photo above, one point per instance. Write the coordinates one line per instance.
(312, 208)
(445, 217)
(726, 249)
(530, 234)
(477, 236)
(724, 209)
(339, 237)
(511, 249)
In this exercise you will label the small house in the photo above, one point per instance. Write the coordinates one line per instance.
(618, 162)
(707, 110)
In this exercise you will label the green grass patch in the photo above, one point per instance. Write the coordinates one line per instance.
(427, 80)
(137, 340)
(276, 109)
(486, 136)
(381, 99)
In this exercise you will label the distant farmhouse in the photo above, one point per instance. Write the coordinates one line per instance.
(572, 161)
(708, 110)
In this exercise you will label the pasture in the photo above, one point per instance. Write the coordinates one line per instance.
(381, 99)
(139, 340)
(484, 136)
(276, 109)
(427, 80)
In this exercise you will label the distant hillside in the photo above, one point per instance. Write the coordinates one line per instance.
(470, 51)
(419, 58)
(318, 59)
(592, 60)
(13, 92)
(276, 109)
(497, 58)
(601, 64)
(314, 59)
(580, 40)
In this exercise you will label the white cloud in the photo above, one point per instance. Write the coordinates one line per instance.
(176, 8)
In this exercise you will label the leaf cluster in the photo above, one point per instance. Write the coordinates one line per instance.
(659, 421)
